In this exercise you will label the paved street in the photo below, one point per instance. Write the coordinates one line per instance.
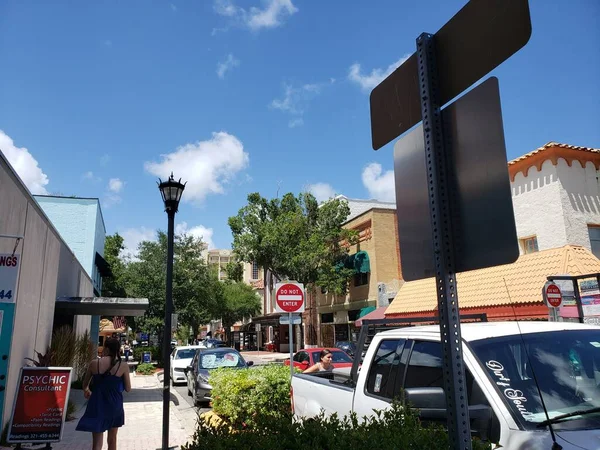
(183, 393)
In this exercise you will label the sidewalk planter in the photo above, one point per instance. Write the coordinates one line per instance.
(393, 428)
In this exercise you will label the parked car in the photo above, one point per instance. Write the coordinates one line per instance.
(213, 343)
(205, 360)
(181, 357)
(347, 346)
(309, 356)
(510, 368)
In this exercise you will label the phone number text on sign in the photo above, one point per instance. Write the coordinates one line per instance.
(9, 270)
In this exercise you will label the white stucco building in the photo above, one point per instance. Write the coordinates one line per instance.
(556, 197)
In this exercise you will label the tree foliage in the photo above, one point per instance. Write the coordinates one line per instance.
(114, 286)
(239, 301)
(234, 270)
(196, 291)
(295, 238)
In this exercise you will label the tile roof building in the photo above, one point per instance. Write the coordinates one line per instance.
(556, 200)
(503, 292)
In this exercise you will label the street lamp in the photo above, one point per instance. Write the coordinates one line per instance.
(171, 191)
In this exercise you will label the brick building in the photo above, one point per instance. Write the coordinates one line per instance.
(376, 261)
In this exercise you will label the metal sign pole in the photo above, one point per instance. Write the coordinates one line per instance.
(443, 245)
(291, 340)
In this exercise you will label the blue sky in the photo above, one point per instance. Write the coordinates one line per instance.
(98, 99)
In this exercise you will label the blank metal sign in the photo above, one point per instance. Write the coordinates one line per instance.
(479, 37)
(482, 218)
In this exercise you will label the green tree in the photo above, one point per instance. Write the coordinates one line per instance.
(296, 238)
(235, 271)
(196, 292)
(114, 285)
(239, 301)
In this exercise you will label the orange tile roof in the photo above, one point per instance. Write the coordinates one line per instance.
(486, 287)
(550, 145)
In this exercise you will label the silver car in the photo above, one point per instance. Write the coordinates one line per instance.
(204, 362)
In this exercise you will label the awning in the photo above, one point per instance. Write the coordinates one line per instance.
(366, 310)
(267, 319)
(378, 313)
(359, 261)
(103, 266)
(102, 306)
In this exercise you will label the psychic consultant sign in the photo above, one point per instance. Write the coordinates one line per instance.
(40, 406)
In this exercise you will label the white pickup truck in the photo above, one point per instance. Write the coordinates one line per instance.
(501, 361)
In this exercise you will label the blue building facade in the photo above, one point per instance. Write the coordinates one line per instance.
(80, 223)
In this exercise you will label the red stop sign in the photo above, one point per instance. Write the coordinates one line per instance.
(290, 297)
(553, 295)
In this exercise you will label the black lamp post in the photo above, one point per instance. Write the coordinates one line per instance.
(171, 191)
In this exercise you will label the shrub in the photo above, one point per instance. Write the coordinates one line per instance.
(43, 359)
(84, 353)
(145, 369)
(240, 395)
(393, 428)
(63, 346)
(155, 351)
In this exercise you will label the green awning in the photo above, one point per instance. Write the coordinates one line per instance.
(366, 310)
(359, 261)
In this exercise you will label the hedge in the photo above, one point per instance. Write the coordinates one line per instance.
(394, 428)
(239, 395)
(156, 354)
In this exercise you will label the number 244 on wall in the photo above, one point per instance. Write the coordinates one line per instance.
(5, 295)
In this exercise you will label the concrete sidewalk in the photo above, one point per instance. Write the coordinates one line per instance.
(143, 419)
(262, 357)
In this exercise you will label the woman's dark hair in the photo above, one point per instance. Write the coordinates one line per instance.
(324, 353)
(114, 348)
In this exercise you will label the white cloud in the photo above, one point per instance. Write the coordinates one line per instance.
(115, 185)
(110, 200)
(89, 175)
(380, 185)
(108, 43)
(199, 231)
(173, 7)
(225, 66)
(321, 191)
(297, 122)
(132, 237)
(24, 164)
(368, 81)
(206, 165)
(295, 101)
(104, 159)
(271, 15)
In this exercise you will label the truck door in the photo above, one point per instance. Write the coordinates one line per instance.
(381, 383)
(424, 370)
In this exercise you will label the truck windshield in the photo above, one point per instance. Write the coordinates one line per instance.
(566, 365)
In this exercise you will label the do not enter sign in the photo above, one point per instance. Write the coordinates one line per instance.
(553, 295)
(289, 297)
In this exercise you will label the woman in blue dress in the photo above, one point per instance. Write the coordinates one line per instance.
(104, 411)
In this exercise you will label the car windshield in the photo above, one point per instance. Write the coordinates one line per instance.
(222, 358)
(185, 353)
(566, 365)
